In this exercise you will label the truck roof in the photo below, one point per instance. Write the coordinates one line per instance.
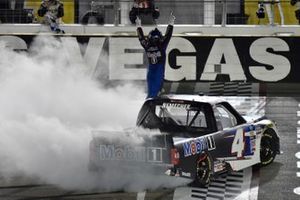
(196, 98)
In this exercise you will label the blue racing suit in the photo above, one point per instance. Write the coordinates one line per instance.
(156, 54)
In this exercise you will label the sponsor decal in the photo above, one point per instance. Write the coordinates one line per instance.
(198, 145)
(187, 174)
(219, 166)
(176, 105)
(155, 154)
(258, 130)
(211, 143)
(153, 56)
(244, 143)
(253, 144)
(252, 134)
(129, 153)
(113, 152)
(249, 129)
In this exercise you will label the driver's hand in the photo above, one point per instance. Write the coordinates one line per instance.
(172, 19)
(138, 22)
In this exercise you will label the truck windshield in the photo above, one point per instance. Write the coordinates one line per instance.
(176, 116)
(181, 114)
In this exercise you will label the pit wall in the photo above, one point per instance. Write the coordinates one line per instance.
(239, 54)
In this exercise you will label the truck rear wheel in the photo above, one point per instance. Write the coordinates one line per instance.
(203, 171)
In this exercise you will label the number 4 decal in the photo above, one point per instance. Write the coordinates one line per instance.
(238, 143)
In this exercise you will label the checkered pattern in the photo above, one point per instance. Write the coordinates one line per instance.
(228, 186)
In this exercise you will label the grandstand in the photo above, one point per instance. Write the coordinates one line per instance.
(207, 12)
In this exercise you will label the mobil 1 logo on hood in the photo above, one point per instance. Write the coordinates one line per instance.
(253, 59)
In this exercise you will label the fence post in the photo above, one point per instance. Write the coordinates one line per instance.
(116, 12)
(224, 13)
(209, 12)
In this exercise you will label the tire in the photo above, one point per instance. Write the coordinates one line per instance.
(203, 170)
(268, 148)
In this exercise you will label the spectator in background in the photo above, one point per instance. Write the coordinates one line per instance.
(143, 8)
(155, 45)
(296, 3)
(13, 11)
(52, 11)
(270, 8)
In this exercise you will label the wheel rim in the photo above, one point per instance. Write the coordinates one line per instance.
(267, 149)
(203, 171)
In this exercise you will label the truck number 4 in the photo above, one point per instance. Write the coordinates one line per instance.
(238, 143)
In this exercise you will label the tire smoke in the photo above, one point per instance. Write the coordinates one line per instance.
(49, 106)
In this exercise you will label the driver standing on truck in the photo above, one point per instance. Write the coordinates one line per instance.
(155, 45)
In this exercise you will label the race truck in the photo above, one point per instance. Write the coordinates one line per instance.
(197, 137)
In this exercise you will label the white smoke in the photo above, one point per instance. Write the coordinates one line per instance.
(49, 106)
